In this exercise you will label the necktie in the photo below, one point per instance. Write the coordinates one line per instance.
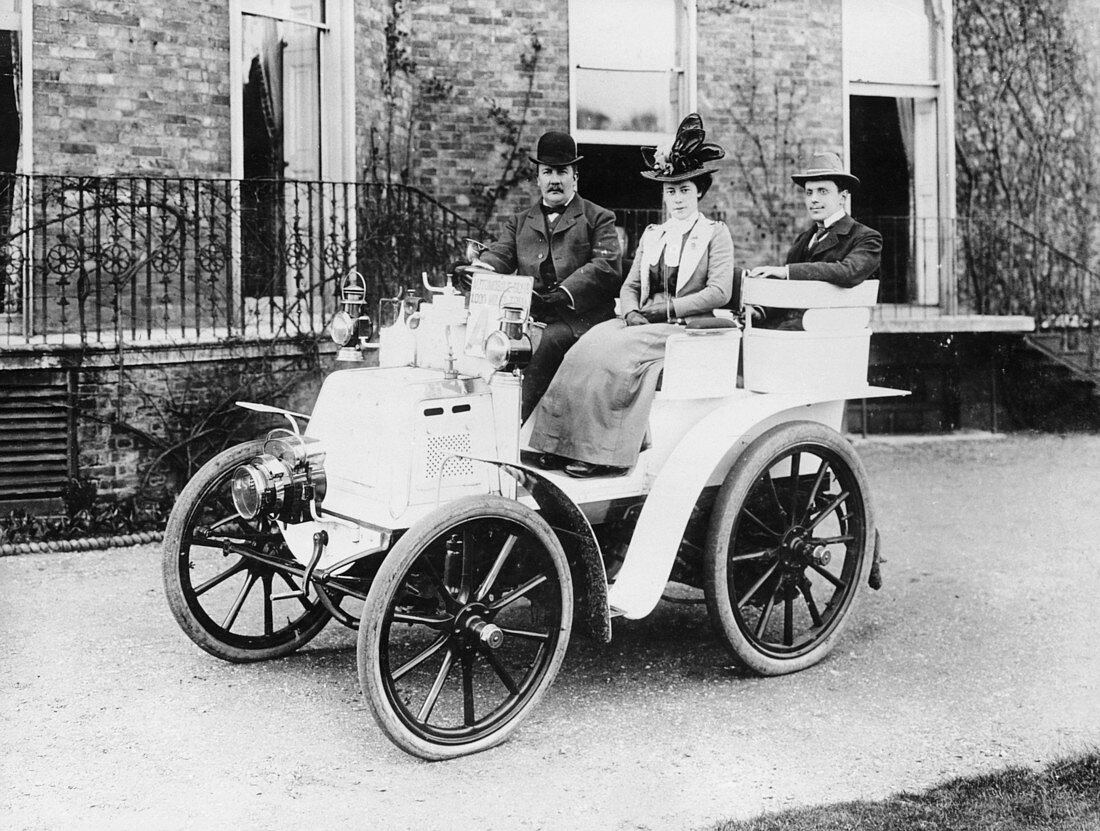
(818, 235)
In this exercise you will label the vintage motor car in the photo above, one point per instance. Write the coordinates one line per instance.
(401, 508)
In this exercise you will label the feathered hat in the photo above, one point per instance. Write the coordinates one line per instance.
(683, 158)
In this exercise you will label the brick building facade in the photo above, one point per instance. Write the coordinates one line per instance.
(447, 98)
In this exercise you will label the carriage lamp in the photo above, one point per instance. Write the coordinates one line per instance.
(286, 481)
(509, 347)
(350, 327)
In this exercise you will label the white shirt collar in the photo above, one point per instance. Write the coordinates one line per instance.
(834, 219)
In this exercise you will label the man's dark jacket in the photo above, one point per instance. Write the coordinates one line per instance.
(848, 254)
(585, 252)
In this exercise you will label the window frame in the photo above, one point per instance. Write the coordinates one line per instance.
(337, 73)
(22, 22)
(687, 69)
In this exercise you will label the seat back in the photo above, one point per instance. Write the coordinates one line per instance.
(832, 351)
(701, 364)
(806, 294)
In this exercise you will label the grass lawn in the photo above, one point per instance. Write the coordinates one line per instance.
(1065, 796)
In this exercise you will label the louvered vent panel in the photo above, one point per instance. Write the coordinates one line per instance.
(34, 435)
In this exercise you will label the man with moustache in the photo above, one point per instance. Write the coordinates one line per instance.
(570, 248)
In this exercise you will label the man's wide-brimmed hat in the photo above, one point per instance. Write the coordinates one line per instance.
(556, 149)
(685, 157)
(826, 166)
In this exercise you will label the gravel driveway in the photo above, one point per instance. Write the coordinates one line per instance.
(980, 652)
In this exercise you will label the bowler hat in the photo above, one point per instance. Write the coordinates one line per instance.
(556, 150)
(826, 166)
(685, 156)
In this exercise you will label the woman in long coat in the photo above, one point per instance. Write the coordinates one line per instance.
(593, 418)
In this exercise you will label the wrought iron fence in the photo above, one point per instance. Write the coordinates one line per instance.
(114, 259)
(982, 265)
(110, 259)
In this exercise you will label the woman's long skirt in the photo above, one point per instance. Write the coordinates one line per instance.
(597, 407)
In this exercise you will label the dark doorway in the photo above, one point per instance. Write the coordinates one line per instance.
(610, 175)
(10, 134)
(880, 161)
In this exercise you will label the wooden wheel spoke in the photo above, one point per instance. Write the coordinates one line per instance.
(832, 506)
(411, 664)
(788, 621)
(762, 623)
(231, 617)
(423, 620)
(832, 540)
(821, 471)
(437, 687)
(796, 467)
(498, 564)
(234, 517)
(503, 674)
(525, 634)
(751, 555)
(519, 592)
(807, 594)
(466, 587)
(269, 623)
(775, 494)
(218, 579)
(763, 525)
(763, 578)
(468, 690)
(828, 575)
(440, 587)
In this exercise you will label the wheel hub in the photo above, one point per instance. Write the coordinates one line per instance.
(473, 628)
(799, 550)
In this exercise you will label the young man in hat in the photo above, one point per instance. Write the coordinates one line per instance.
(835, 249)
(569, 245)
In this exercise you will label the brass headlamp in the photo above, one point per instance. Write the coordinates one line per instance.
(351, 328)
(509, 347)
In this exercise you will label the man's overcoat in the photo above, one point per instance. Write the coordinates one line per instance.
(848, 254)
(585, 252)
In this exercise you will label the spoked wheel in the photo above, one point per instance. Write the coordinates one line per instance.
(788, 545)
(228, 603)
(465, 627)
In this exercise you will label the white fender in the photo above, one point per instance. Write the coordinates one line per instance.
(707, 451)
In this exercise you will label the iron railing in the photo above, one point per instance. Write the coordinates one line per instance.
(116, 259)
(982, 265)
(110, 259)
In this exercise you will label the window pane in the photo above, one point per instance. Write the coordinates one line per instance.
(644, 33)
(281, 99)
(636, 101)
(889, 41)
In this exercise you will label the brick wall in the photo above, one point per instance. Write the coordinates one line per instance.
(770, 91)
(121, 417)
(125, 87)
(475, 50)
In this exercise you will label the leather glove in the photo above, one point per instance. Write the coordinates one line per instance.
(548, 304)
(635, 318)
(655, 314)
